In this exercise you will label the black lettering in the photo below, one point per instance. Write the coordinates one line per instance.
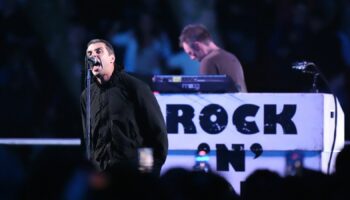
(271, 118)
(239, 119)
(216, 126)
(257, 149)
(236, 158)
(173, 118)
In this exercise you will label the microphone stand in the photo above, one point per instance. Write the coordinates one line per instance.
(314, 83)
(335, 117)
(315, 72)
(303, 67)
(88, 109)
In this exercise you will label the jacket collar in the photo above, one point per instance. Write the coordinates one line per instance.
(114, 79)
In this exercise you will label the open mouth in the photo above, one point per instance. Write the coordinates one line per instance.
(96, 68)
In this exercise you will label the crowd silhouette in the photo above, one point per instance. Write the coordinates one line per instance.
(64, 174)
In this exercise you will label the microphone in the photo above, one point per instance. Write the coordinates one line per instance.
(93, 61)
(304, 66)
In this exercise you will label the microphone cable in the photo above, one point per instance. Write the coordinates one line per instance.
(303, 66)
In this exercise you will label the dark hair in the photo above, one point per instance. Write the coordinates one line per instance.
(109, 47)
(194, 33)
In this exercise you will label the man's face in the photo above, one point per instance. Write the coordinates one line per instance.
(106, 64)
(194, 50)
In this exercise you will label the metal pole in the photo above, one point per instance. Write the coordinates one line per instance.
(314, 83)
(88, 116)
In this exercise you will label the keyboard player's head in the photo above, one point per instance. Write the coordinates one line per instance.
(197, 42)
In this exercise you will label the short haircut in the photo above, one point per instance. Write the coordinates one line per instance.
(194, 33)
(109, 47)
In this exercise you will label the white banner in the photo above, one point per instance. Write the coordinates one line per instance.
(247, 131)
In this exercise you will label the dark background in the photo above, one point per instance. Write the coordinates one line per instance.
(42, 46)
(42, 50)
